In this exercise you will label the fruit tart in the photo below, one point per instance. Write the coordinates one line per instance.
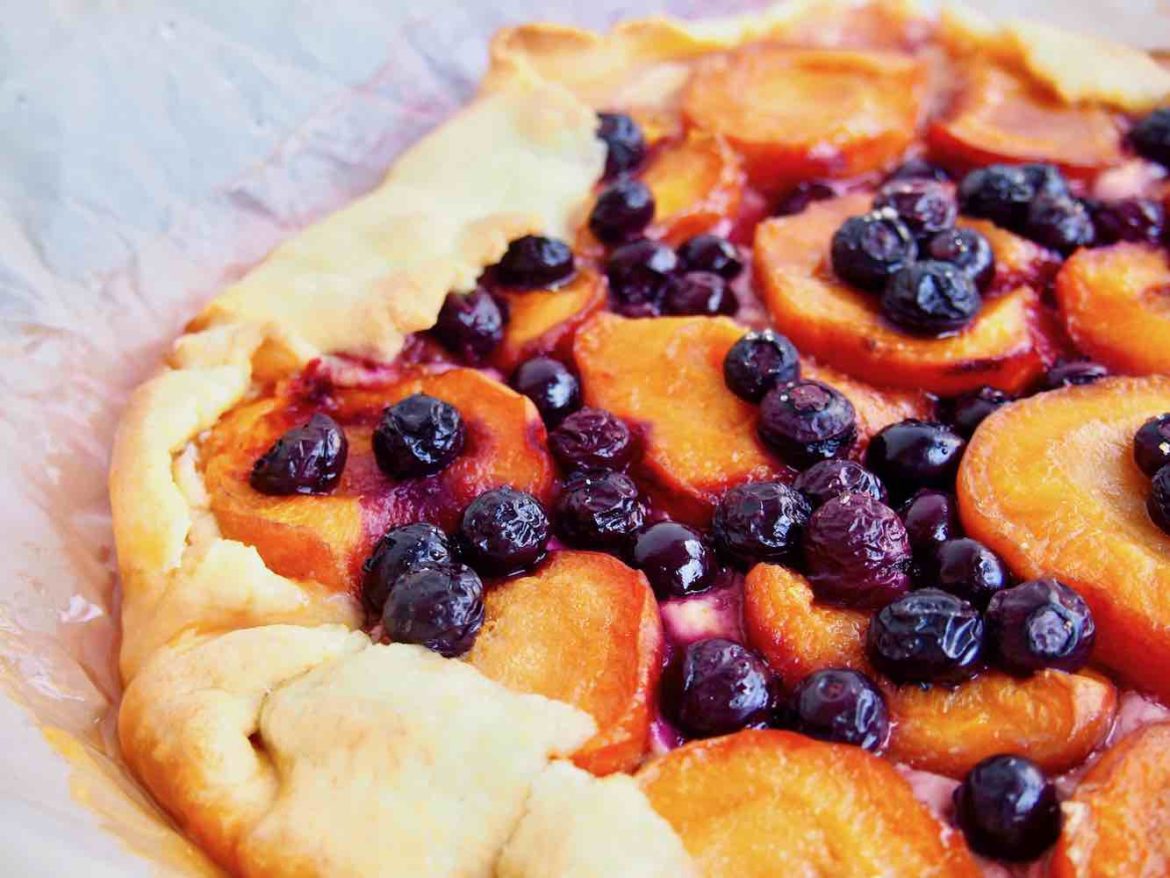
(756, 462)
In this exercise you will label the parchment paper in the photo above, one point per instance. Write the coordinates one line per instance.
(149, 151)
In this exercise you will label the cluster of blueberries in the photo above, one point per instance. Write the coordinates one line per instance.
(1151, 452)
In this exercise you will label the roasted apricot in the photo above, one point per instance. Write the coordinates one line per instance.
(844, 328)
(796, 114)
(583, 629)
(543, 321)
(1117, 824)
(326, 538)
(765, 803)
(999, 116)
(1116, 306)
(697, 184)
(1049, 483)
(1053, 718)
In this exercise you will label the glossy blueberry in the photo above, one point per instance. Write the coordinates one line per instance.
(1003, 193)
(592, 439)
(806, 421)
(842, 706)
(504, 531)
(1151, 136)
(1039, 624)
(677, 559)
(967, 411)
(711, 253)
(1059, 222)
(534, 262)
(308, 459)
(968, 569)
(470, 326)
(856, 552)
(927, 636)
(1140, 220)
(926, 207)
(868, 250)
(1072, 373)
(825, 480)
(399, 551)
(1158, 503)
(625, 144)
(1045, 178)
(758, 362)
(800, 196)
(1007, 809)
(640, 275)
(716, 687)
(1151, 444)
(931, 518)
(919, 169)
(931, 299)
(418, 436)
(438, 607)
(598, 509)
(915, 454)
(700, 293)
(760, 522)
(553, 389)
(967, 250)
(622, 211)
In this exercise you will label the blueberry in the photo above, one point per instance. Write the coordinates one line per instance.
(758, 362)
(800, 196)
(1004, 193)
(825, 480)
(927, 636)
(625, 145)
(967, 250)
(622, 212)
(931, 299)
(553, 389)
(926, 207)
(1151, 136)
(1151, 444)
(592, 438)
(418, 436)
(1007, 809)
(806, 421)
(399, 551)
(640, 275)
(920, 169)
(676, 559)
(439, 607)
(308, 459)
(842, 706)
(716, 687)
(856, 552)
(504, 531)
(968, 569)
(1039, 624)
(1072, 373)
(967, 411)
(1059, 222)
(915, 454)
(711, 253)
(701, 293)
(534, 262)
(868, 250)
(470, 326)
(760, 522)
(1158, 503)
(598, 509)
(1140, 220)
(931, 519)
(1045, 179)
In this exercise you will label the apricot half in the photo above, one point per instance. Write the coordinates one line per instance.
(1054, 718)
(543, 321)
(843, 326)
(766, 803)
(1049, 483)
(583, 629)
(326, 538)
(1116, 306)
(697, 184)
(1117, 823)
(796, 114)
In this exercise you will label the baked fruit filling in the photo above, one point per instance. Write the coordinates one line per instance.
(792, 468)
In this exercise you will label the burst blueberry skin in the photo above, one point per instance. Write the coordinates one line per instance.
(927, 636)
(470, 326)
(308, 459)
(1007, 809)
(640, 275)
(535, 262)
(676, 559)
(1158, 503)
(931, 518)
(760, 522)
(967, 250)
(968, 569)
(399, 551)
(823, 481)
(926, 207)
(915, 454)
(967, 411)
(598, 509)
(798, 198)
(1060, 222)
(716, 687)
(419, 436)
(806, 421)
(624, 141)
(1040, 624)
(702, 294)
(868, 250)
(504, 531)
(592, 439)
(1151, 137)
(622, 212)
(842, 706)
(1151, 445)
(759, 361)
(438, 607)
(711, 253)
(920, 169)
(931, 299)
(1072, 373)
(1138, 220)
(553, 389)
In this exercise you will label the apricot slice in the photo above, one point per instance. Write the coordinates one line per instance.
(798, 114)
(1116, 306)
(697, 184)
(544, 321)
(1050, 484)
(326, 538)
(583, 629)
(999, 116)
(762, 803)
(1054, 718)
(843, 326)
(1117, 824)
